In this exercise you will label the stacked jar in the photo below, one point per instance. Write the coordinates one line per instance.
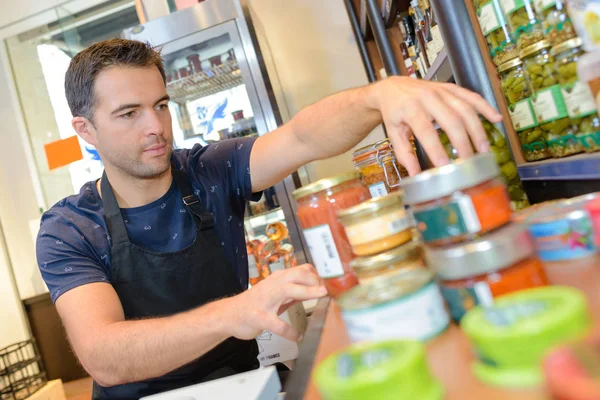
(517, 92)
(548, 101)
(555, 21)
(496, 31)
(523, 21)
(463, 213)
(378, 167)
(579, 100)
(500, 149)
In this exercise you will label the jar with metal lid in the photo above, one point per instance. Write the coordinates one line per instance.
(548, 102)
(477, 272)
(556, 22)
(523, 21)
(580, 102)
(378, 167)
(382, 266)
(407, 305)
(459, 201)
(377, 225)
(496, 32)
(318, 206)
(517, 92)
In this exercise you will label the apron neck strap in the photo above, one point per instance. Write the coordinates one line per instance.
(112, 213)
(204, 219)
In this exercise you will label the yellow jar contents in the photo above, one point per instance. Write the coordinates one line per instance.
(377, 225)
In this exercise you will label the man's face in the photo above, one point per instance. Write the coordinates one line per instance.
(132, 124)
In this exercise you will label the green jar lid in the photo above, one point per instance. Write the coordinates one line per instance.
(392, 369)
(512, 336)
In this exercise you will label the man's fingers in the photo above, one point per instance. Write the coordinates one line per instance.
(277, 326)
(427, 135)
(403, 149)
(304, 274)
(476, 101)
(292, 291)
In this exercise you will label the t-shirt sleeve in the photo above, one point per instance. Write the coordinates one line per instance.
(64, 257)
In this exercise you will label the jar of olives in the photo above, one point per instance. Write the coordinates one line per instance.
(508, 168)
(517, 92)
(578, 96)
(526, 27)
(496, 32)
(555, 20)
(548, 102)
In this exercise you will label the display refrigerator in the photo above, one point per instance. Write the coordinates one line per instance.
(220, 89)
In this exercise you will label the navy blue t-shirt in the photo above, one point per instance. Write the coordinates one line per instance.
(73, 245)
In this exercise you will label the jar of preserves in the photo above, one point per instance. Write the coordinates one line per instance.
(407, 305)
(378, 167)
(517, 92)
(377, 225)
(526, 27)
(556, 22)
(548, 102)
(475, 273)
(318, 206)
(496, 32)
(459, 201)
(382, 266)
(580, 102)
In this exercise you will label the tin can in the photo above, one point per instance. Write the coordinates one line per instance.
(408, 305)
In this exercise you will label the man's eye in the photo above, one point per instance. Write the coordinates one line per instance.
(163, 107)
(128, 115)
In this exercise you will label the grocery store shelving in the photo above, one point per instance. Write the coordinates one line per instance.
(578, 167)
(440, 63)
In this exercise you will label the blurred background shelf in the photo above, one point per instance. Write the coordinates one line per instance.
(578, 167)
(208, 81)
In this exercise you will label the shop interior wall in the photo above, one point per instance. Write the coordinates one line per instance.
(314, 54)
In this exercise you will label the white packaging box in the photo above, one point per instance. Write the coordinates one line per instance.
(273, 348)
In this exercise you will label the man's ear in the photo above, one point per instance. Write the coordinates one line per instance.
(85, 129)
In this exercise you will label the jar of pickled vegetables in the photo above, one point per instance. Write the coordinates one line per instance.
(496, 32)
(378, 167)
(548, 102)
(526, 27)
(517, 92)
(508, 168)
(318, 206)
(556, 22)
(580, 102)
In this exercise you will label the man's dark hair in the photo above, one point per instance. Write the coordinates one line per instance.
(87, 64)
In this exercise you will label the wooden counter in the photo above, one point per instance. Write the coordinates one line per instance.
(449, 354)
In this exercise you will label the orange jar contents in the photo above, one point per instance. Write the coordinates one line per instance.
(377, 225)
(318, 206)
(378, 167)
(459, 201)
(477, 272)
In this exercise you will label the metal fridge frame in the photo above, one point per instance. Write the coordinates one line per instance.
(211, 19)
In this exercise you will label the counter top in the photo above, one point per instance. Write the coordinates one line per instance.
(449, 355)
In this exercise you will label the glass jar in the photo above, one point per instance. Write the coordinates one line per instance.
(378, 167)
(585, 15)
(496, 32)
(318, 206)
(548, 102)
(407, 305)
(377, 225)
(556, 22)
(524, 24)
(477, 272)
(517, 92)
(580, 102)
(508, 168)
(381, 266)
(458, 202)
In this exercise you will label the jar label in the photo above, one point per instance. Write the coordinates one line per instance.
(488, 19)
(510, 6)
(455, 218)
(543, 5)
(461, 300)
(509, 315)
(437, 39)
(378, 227)
(564, 239)
(549, 104)
(323, 251)
(522, 115)
(419, 315)
(579, 99)
(378, 190)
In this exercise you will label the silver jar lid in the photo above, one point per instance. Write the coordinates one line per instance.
(443, 181)
(497, 250)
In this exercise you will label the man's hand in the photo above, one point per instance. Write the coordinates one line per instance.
(258, 309)
(409, 106)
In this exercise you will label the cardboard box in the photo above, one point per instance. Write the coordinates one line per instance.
(273, 348)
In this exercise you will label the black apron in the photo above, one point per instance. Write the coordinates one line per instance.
(153, 285)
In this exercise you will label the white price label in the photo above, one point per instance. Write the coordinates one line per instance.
(378, 190)
(488, 20)
(323, 251)
(522, 115)
(579, 100)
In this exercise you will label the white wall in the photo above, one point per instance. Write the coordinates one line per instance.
(315, 55)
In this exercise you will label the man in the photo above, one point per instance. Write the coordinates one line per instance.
(147, 266)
